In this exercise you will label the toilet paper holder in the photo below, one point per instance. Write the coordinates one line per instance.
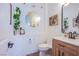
(10, 44)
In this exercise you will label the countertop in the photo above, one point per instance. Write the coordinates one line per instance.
(68, 40)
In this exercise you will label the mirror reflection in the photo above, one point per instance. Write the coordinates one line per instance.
(71, 18)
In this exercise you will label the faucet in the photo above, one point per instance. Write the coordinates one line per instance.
(72, 35)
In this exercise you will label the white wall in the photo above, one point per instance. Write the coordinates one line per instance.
(5, 28)
(37, 31)
(38, 34)
(53, 31)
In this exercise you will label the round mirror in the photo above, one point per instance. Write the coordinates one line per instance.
(33, 19)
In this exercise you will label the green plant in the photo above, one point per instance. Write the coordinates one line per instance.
(66, 23)
(16, 17)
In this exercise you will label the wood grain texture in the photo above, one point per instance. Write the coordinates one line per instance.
(48, 53)
(61, 48)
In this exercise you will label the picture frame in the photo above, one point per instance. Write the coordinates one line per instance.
(53, 20)
(22, 31)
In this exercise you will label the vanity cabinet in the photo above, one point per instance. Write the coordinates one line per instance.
(61, 48)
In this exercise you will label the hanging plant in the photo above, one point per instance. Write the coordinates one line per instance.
(16, 17)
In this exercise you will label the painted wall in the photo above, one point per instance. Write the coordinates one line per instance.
(39, 34)
(5, 28)
(54, 31)
(4, 21)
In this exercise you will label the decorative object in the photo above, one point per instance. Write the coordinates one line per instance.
(53, 20)
(22, 31)
(16, 17)
(33, 19)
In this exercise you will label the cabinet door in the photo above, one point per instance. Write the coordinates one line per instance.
(78, 51)
(58, 50)
(69, 52)
(63, 49)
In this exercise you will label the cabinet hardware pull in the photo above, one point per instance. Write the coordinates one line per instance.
(61, 45)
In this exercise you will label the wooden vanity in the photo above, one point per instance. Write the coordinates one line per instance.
(65, 47)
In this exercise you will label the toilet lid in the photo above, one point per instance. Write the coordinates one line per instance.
(43, 45)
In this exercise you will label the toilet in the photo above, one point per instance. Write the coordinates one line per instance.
(43, 48)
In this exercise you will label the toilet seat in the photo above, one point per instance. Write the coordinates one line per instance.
(43, 48)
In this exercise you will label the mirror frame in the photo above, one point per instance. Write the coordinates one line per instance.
(62, 29)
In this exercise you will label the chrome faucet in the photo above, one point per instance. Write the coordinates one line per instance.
(72, 35)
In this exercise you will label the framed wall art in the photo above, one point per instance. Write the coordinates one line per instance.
(53, 20)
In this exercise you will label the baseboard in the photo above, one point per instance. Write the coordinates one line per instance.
(49, 52)
(34, 54)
